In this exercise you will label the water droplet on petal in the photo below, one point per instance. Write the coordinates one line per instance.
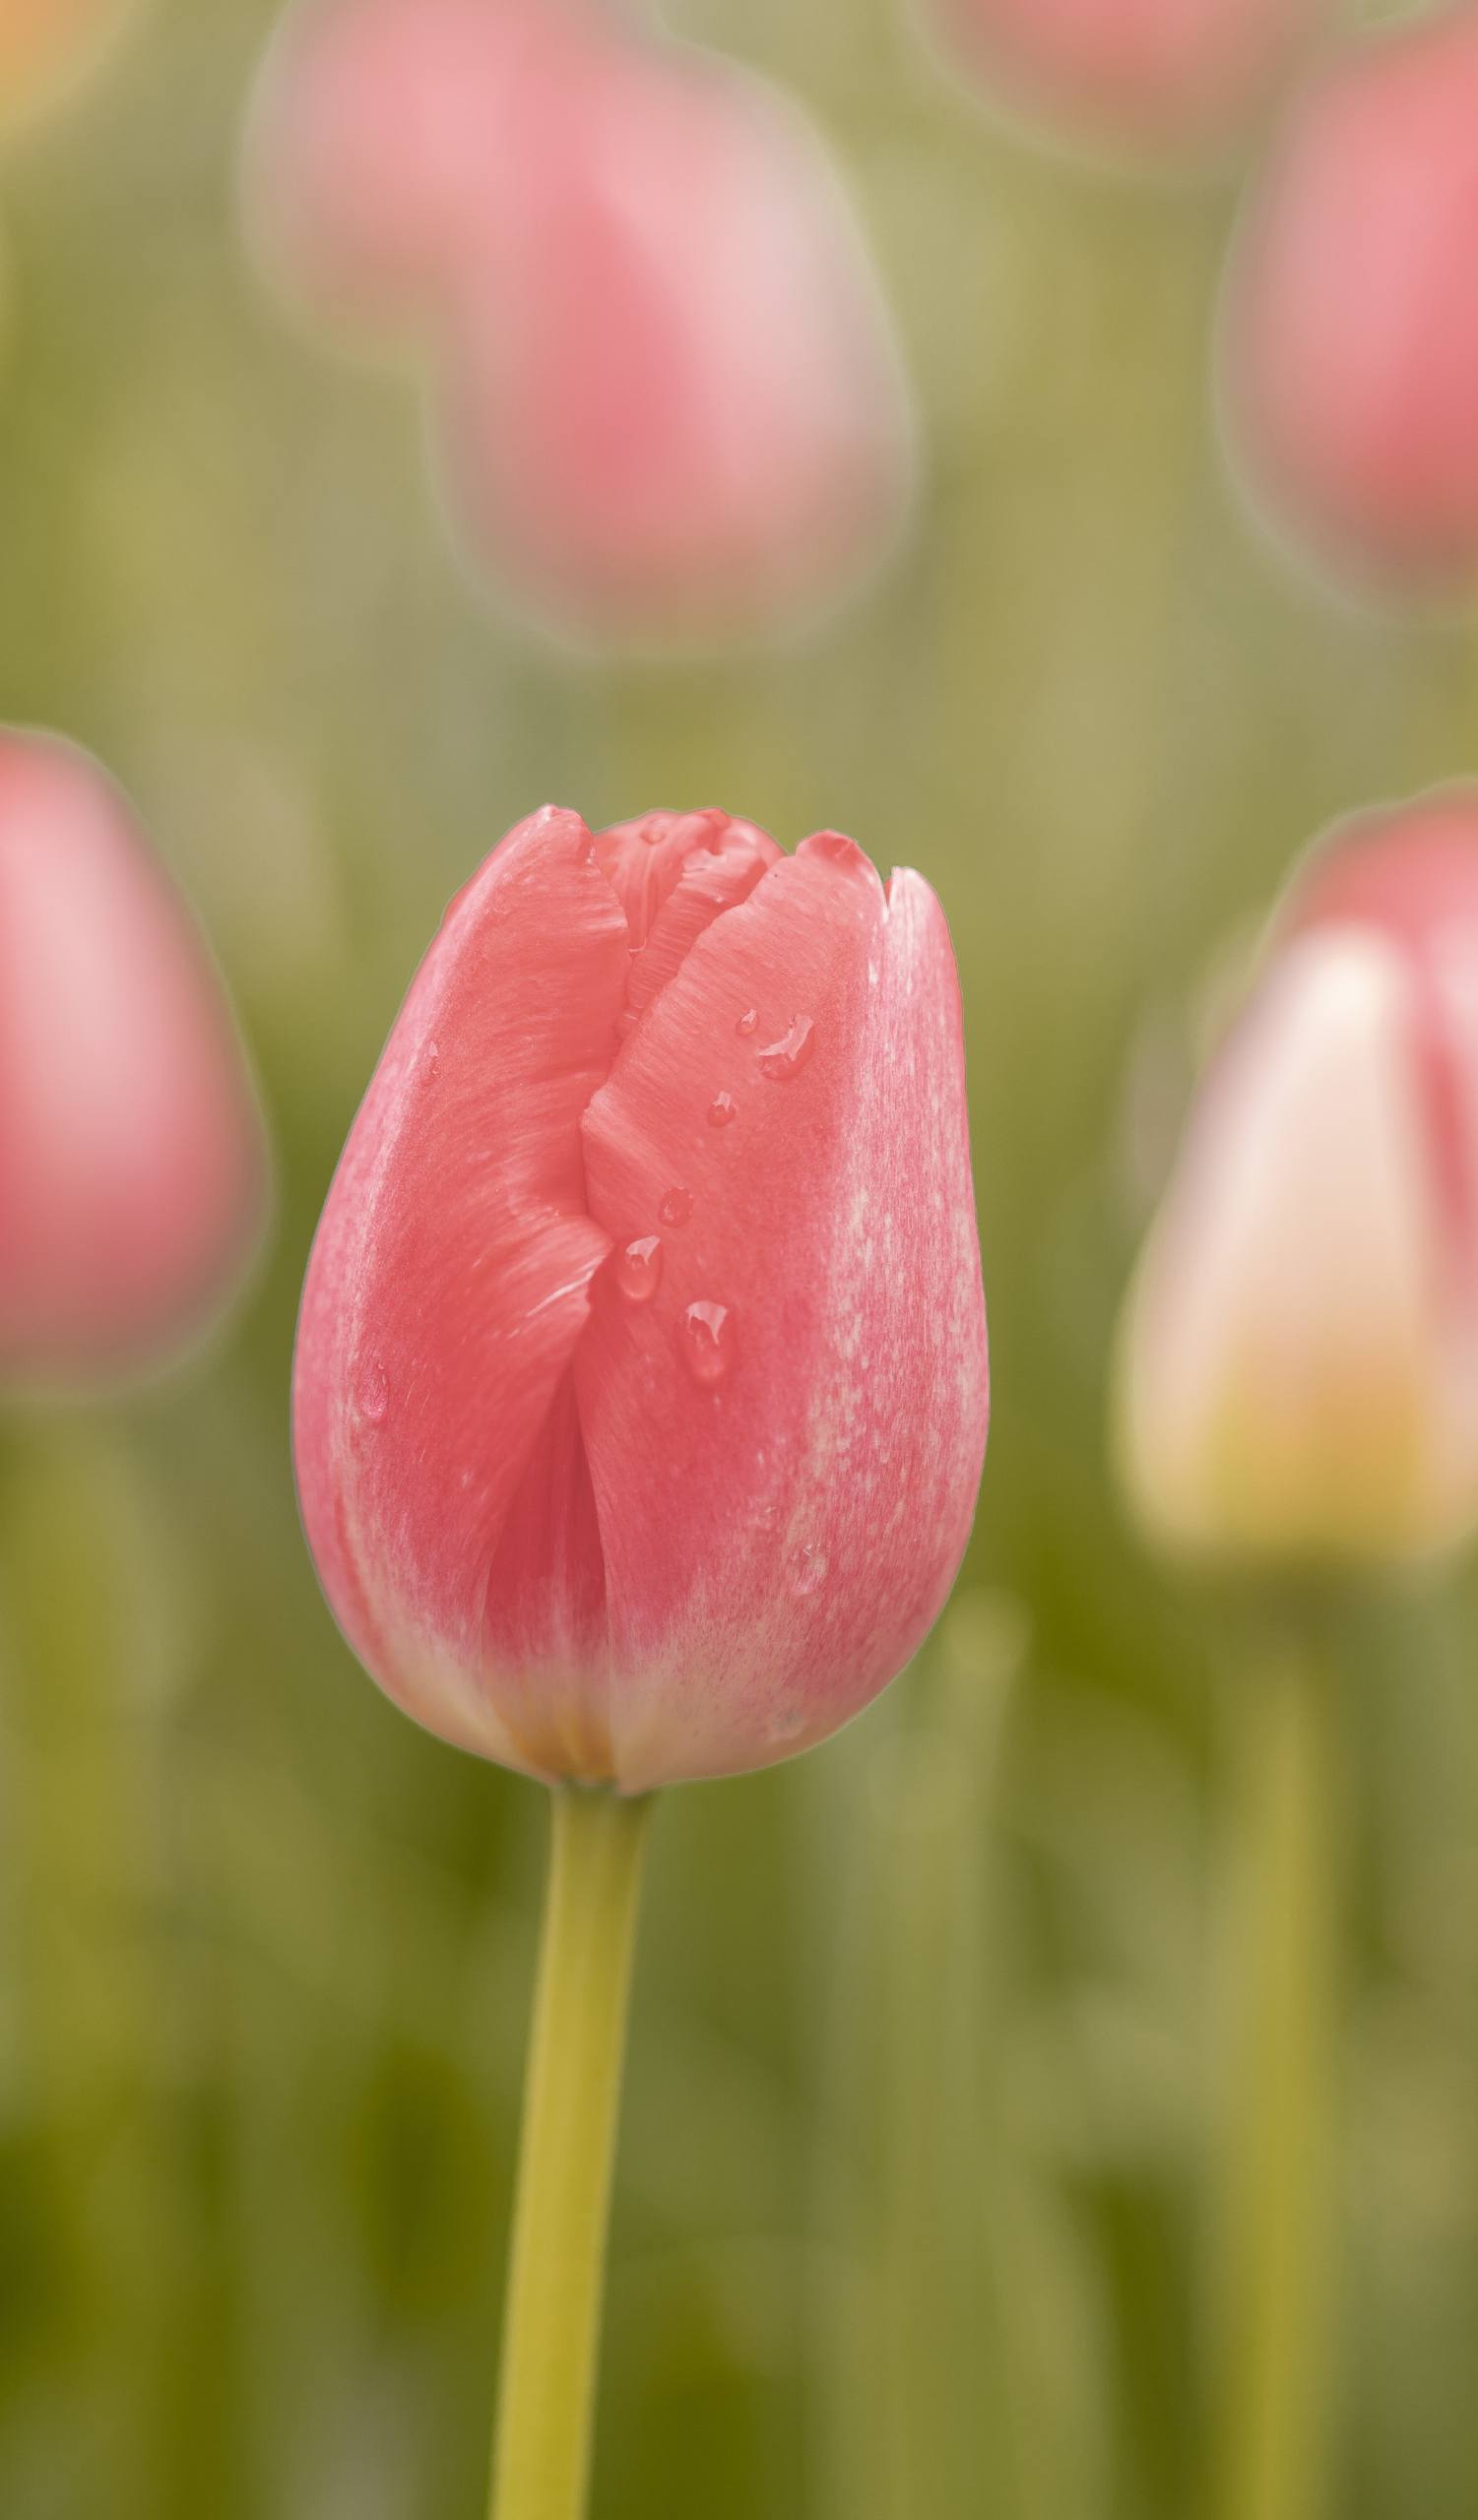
(638, 1269)
(430, 1062)
(787, 1723)
(705, 1335)
(721, 1110)
(808, 1573)
(676, 1207)
(748, 1023)
(374, 1393)
(787, 1057)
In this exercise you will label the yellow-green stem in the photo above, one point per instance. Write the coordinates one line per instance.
(571, 2096)
(1278, 2133)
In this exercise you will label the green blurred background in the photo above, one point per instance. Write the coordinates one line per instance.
(924, 2044)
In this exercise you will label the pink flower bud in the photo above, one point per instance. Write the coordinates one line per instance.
(379, 128)
(1301, 1351)
(641, 1389)
(1350, 338)
(1151, 77)
(45, 44)
(132, 1164)
(670, 404)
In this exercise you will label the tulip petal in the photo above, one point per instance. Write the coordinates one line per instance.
(446, 1292)
(371, 128)
(675, 873)
(1412, 877)
(782, 1513)
(1279, 1379)
(133, 1168)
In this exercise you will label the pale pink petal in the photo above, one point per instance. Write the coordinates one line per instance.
(1289, 1384)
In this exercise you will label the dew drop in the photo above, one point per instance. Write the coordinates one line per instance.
(748, 1023)
(374, 1393)
(705, 1335)
(787, 1723)
(721, 1110)
(638, 1269)
(676, 1207)
(787, 1057)
(430, 1062)
(808, 1573)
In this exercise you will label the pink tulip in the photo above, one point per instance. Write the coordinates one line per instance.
(669, 403)
(1150, 76)
(1300, 1357)
(641, 1388)
(1350, 343)
(379, 128)
(132, 1166)
(45, 44)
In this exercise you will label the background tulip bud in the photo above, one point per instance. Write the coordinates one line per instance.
(1300, 1371)
(367, 148)
(132, 1164)
(641, 1387)
(669, 401)
(1350, 341)
(44, 43)
(1153, 75)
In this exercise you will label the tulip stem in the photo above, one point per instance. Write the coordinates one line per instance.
(571, 2096)
(1278, 2189)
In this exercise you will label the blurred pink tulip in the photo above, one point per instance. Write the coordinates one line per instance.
(669, 402)
(1301, 1352)
(132, 1164)
(378, 127)
(1175, 78)
(1350, 338)
(641, 1386)
(46, 44)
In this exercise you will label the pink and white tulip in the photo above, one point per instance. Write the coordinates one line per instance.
(641, 1387)
(1350, 331)
(1150, 78)
(1300, 1363)
(669, 401)
(132, 1161)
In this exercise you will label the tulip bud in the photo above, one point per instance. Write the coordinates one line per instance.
(1350, 337)
(1152, 77)
(132, 1165)
(670, 404)
(45, 44)
(1300, 1361)
(640, 1390)
(365, 149)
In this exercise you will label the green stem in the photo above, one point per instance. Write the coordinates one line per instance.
(571, 2095)
(1278, 2136)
